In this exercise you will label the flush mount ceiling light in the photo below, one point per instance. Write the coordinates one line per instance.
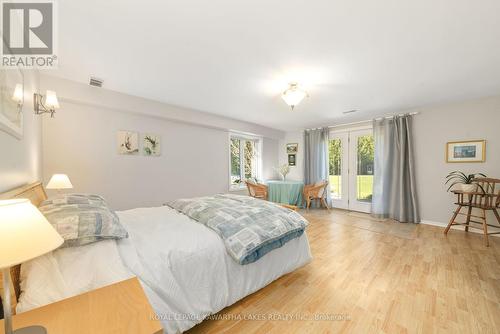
(293, 95)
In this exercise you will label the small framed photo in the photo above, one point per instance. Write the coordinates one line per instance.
(292, 161)
(292, 148)
(127, 142)
(466, 151)
(151, 144)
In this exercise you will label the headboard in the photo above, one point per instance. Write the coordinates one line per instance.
(36, 194)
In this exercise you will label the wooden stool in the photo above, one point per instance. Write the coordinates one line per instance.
(485, 198)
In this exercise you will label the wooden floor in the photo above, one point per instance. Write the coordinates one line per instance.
(377, 277)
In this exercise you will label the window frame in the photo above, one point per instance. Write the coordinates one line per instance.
(258, 158)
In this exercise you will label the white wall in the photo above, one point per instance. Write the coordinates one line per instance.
(270, 158)
(81, 142)
(433, 128)
(296, 172)
(20, 162)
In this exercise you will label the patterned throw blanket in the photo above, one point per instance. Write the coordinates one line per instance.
(249, 227)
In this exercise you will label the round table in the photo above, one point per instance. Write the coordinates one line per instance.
(286, 192)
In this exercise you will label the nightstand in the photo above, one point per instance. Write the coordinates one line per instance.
(118, 308)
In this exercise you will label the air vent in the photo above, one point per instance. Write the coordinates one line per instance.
(349, 111)
(96, 82)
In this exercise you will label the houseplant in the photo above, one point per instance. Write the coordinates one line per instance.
(463, 181)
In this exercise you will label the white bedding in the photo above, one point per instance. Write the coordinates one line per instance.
(188, 269)
(183, 266)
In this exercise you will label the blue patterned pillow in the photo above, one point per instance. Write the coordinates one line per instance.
(82, 219)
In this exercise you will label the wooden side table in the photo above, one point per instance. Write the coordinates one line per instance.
(485, 198)
(118, 308)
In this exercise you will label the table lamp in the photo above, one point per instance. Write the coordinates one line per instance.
(24, 235)
(59, 181)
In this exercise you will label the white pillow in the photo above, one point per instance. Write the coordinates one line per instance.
(68, 272)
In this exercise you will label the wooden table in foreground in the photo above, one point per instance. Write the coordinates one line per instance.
(118, 308)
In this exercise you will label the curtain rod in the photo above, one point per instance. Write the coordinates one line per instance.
(361, 122)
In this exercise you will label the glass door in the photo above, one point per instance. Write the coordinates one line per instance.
(338, 165)
(351, 156)
(361, 158)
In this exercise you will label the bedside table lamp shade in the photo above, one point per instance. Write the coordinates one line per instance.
(59, 181)
(24, 235)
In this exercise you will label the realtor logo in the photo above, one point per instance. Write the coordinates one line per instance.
(28, 31)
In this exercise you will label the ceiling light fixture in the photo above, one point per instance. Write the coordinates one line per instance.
(293, 95)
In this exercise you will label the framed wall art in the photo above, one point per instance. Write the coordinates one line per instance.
(466, 151)
(292, 148)
(127, 142)
(11, 102)
(151, 144)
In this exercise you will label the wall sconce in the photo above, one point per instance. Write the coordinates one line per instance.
(18, 96)
(49, 106)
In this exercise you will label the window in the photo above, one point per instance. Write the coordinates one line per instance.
(244, 159)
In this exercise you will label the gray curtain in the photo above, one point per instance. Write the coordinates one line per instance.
(394, 187)
(316, 157)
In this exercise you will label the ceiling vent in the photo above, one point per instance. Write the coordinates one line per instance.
(349, 111)
(96, 82)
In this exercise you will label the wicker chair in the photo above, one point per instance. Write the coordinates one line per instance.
(485, 198)
(316, 191)
(257, 190)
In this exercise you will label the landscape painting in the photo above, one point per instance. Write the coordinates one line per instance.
(292, 148)
(466, 151)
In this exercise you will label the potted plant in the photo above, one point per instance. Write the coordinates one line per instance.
(463, 181)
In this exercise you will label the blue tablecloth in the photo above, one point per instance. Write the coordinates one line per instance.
(286, 192)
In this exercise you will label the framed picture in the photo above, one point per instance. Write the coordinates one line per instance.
(127, 142)
(466, 151)
(151, 144)
(11, 102)
(292, 160)
(292, 148)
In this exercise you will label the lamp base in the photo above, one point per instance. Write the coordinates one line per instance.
(31, 330)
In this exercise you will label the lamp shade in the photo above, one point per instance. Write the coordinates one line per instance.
(18, 95)
(59, 181)
(51, 101)
(24, 233)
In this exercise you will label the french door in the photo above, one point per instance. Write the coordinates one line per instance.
(351, 169)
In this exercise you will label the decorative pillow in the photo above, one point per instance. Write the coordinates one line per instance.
(82, 219)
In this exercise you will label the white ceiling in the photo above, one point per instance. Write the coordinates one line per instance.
(233, 58)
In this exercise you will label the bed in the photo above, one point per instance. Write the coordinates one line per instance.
(183, 266)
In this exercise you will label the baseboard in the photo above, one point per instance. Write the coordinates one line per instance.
(459, 227)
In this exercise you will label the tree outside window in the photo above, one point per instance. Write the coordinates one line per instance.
(243, 160)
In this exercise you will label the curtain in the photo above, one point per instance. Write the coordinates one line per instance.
(316, 157)
(394, 187)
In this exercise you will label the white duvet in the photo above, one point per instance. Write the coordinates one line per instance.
(183, 266)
